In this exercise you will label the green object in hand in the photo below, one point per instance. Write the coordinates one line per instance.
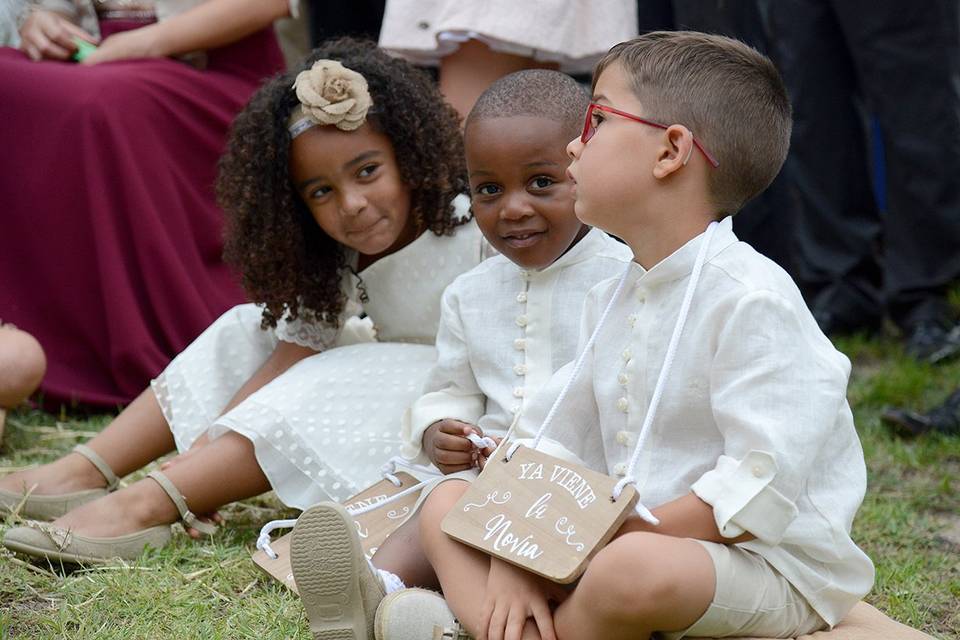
(84, 49)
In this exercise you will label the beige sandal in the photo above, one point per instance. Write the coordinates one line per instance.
(43, 540)
(51, 507)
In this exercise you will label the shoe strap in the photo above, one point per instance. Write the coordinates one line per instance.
(456, 632)
(100, 464)
(176, 497)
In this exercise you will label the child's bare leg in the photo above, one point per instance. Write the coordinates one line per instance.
(137, 436)
(402, 555)
(22, 365)
(638, 584)
(461, 571)
(223, 471)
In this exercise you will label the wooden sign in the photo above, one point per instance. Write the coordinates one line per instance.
(373, 526)
(540, 513)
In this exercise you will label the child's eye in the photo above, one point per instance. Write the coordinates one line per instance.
(541, 182)
(487, 190)
(319, 192)
(368, 170)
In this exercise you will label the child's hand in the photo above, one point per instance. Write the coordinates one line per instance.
(512, 596)
(445, 443)
(487, 452)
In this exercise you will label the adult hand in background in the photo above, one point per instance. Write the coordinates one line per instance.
(126, 45)
(46, 35)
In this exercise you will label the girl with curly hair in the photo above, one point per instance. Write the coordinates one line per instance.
(339, 184)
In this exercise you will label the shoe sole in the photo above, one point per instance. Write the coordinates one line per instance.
(325, 557)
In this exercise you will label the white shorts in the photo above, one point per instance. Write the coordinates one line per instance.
(751, 599)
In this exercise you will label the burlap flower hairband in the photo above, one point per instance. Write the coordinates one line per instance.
(329, 93)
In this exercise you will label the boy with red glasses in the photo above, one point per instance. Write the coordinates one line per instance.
(716, 394)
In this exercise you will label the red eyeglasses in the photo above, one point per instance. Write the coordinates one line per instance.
(589, 129)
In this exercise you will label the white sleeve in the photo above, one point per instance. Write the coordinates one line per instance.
(776, 387)
(451, 389)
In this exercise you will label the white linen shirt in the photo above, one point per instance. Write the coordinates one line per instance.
(503, 332)
(754, 418)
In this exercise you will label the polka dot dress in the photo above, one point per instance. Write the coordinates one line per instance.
(323, 428)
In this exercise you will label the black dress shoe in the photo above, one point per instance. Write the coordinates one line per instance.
(929, 341)
(943, 419)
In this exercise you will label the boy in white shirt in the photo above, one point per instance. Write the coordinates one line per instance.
(752, 463)
(505, 327)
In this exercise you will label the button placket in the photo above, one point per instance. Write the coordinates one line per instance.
(520, 344)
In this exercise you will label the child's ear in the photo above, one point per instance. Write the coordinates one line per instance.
(675, 151)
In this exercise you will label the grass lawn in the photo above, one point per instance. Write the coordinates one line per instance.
(909, 525)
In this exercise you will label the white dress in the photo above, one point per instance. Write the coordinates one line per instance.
(323, 428)
(572, 33)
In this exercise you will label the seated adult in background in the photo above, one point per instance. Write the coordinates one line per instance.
(474, 43)
(111, 237)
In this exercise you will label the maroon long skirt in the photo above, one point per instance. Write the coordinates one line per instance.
(110, 238)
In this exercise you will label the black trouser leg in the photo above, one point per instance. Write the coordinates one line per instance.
(908, 58)
(838, 224)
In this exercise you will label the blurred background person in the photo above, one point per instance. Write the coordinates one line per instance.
(474, 43)
(901, 63)
(110, 251)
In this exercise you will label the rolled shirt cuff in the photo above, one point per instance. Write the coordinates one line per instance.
(743, 498)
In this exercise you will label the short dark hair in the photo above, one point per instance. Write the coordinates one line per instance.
(286, 261)
(729, 94)
(540, 93)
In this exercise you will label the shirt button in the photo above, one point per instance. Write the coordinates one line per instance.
(525, 274)
(522, 296)
(632, 319)
(518, 392)
(520, 369)
(620, 469)
(641, 297)
(622, 379)
(623, 404)
(623, 438)
(515, 409)
(758, 472)
(521, 321)
(625, 355)
(519, 344)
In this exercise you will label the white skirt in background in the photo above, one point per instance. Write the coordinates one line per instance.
(571, 33)
(321, 430)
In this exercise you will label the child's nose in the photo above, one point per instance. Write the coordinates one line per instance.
(352, 202)
(574, 147)
(515, 207)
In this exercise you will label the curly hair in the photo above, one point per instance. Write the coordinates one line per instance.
(286, 261)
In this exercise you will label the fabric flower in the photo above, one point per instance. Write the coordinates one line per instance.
(330, 93)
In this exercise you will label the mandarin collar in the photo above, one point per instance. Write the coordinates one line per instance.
(588, 247)
(679, 264)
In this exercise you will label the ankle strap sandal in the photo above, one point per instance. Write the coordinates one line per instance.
(188, 517)
(100, 464)
(43, 540)
(52, 506)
